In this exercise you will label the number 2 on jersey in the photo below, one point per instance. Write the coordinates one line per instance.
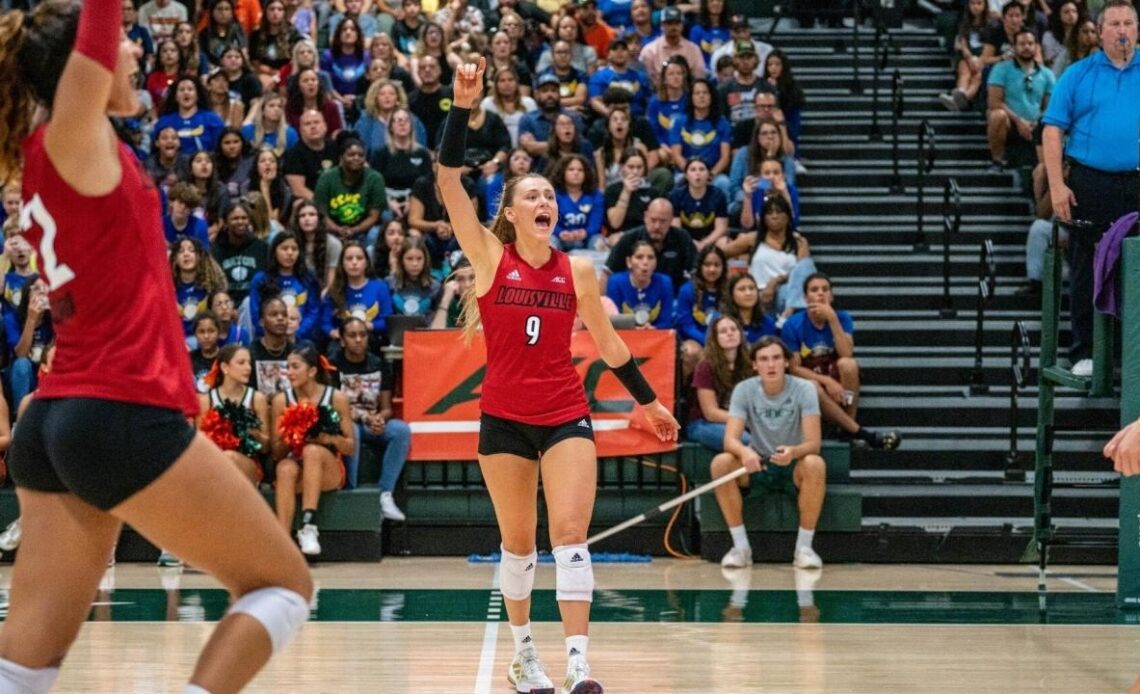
(34, 211)
(533, 329)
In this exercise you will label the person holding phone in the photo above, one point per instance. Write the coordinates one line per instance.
(782, 415)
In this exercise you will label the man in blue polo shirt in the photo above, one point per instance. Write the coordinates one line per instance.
(1097, 104)
(1018, 91)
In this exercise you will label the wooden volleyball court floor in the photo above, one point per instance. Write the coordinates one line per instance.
(435, 626)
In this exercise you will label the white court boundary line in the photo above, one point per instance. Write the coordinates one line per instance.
(1079, 584)
(490, 637)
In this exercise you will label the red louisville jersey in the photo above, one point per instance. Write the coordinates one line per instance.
(118, 334)
(528, 318)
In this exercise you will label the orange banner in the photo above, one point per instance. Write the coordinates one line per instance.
(442, 380)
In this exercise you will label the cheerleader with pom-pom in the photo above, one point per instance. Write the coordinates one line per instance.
(233, 414)
(311, 435)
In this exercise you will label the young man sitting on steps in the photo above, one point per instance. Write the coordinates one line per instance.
(782, 416)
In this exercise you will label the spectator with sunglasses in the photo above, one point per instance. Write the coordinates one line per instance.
(1019, 91)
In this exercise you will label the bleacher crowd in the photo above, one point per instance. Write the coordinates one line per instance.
(293, 142)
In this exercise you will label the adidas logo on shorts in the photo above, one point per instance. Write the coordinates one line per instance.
(514, 275)
(576, 557)
(529, 567)
(584, 424)
(574, 651)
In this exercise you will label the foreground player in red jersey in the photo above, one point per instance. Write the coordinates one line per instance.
(535, 418)
(106, 439)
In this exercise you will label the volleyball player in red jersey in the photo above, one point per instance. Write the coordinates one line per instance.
(106, 440)
(535, 419)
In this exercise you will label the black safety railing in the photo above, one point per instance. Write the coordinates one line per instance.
(896, 114)
(987, 283)
(951, 224)
(857, 15)
(1020, 367)
(879, 64)
(926, 157)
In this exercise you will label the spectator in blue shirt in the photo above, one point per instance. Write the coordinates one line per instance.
(29, 331)
(641, 292)
(822, 341)
(671, 100)
(356, 293)
(700, 209)
(711, 30)
(196, 277)
(620, 73)
(742, 302)
(181, 201)
(286, 268)
(1018, 92)
(703, 133)
(698, 302)
(580, 204)
(187, 112)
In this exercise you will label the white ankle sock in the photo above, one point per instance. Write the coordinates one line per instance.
(17, 678)
(739, 537)
(523, 638)
(804, 538)
(578, 643)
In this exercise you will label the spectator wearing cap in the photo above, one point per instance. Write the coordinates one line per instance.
(622, 75)
(571, 80)
(672, 43)
(350, 195)
(738, 94)
(711, 30)
(595, 32)
(535, 127)
(741, 31)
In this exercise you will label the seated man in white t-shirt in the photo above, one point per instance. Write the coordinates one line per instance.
(782, 416)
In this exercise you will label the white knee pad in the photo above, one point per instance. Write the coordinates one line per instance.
(516, 574)
(280, 611)
(18, 679)
(574, 579)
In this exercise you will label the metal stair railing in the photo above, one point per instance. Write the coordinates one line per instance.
(987, 282)
(1020, 368)
(1050, 376)
(951, 224)
(926, 156)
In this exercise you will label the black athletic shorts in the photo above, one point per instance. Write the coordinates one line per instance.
(498, 435)
(103, 451)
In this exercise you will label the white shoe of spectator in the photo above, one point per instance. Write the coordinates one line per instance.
(737, 558)
(806, 558)
(389, 508)
(307, 538)
(1083, 368)
(10, 538)
(526, 673)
